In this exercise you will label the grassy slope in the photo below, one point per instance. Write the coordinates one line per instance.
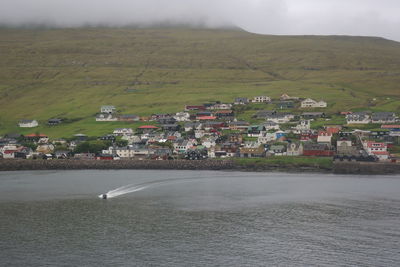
(71, 72)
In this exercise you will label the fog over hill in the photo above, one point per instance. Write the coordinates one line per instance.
(283, 17)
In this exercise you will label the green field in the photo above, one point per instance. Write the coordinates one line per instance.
(70, 73)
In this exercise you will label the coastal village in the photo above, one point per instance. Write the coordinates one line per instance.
(288, 126)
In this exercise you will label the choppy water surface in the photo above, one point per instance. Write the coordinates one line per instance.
(192, 218)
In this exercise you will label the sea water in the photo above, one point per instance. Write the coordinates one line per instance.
(193, 218)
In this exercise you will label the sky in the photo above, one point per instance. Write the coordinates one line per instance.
(286, 17)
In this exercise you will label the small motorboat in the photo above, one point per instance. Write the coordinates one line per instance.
(103, 196)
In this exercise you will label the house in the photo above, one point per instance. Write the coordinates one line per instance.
(166, 120)
(171, 127)
(394, 129)
(45, 148)
(358, 118)
(35, 137)
(258, 152)
(304, 125)
(333, 129)
(220, 106)
(62, 154)
(255, 130)
(224, 114)
(9, 154)
(192, 126)
(239, 125)
(271, 125)
(277, 150)
(324, 137)
(106, 117)
(235, 138)
(189, 108)
(280, 117)
(377, 149)
(107, 109)
(383, 117)
(317, 150)
(345, 147)
(147, 128)
(226, 149)
(129, 117)
(182, 146)
(308, 136)
(265, 137)
(241, 101)
(209, 142)
(182, 116)
(28, 123)
(264, 114)
(123, 131)
(285, 105)
(294, 149)
(312, 115)
(206, 118)
(53, 122)
(311, 103)
(261, 99)
(210, 125)
(287, 97)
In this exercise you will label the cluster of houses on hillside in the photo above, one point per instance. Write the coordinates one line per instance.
(212, 130)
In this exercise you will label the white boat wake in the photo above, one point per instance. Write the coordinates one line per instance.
(123, 190)
(138, 187)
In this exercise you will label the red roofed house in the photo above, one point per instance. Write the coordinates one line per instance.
(333, 129)
(378, 149)
(204, 118)
(147, 128)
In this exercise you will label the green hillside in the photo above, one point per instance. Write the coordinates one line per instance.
(70, 73)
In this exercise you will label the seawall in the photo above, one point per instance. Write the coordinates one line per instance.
(227, 165)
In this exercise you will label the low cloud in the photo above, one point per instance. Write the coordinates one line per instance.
(326, 17)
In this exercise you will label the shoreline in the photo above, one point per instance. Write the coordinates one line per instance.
(354, 168)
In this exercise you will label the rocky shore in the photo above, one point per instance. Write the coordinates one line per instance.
(227, 165)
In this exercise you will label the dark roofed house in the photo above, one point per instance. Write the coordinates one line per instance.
(53, 122)
(361, 117)
(264, 114)
(285, 105)
(241, 101)
(171, 127)
(252, 152)
(312, 115)
(239, 125)
(319, 150)
(383, 117)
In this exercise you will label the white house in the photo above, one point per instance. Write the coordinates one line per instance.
(123, 131)
(106, 117)
(303, 125)
(294, 149)
(107, 109)
(182, 116)
(261, 99)
(266, 137)
(28, 123)
(220, 106)
(376, 148)
(358, 118)
(324, 137)
(311, 103)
